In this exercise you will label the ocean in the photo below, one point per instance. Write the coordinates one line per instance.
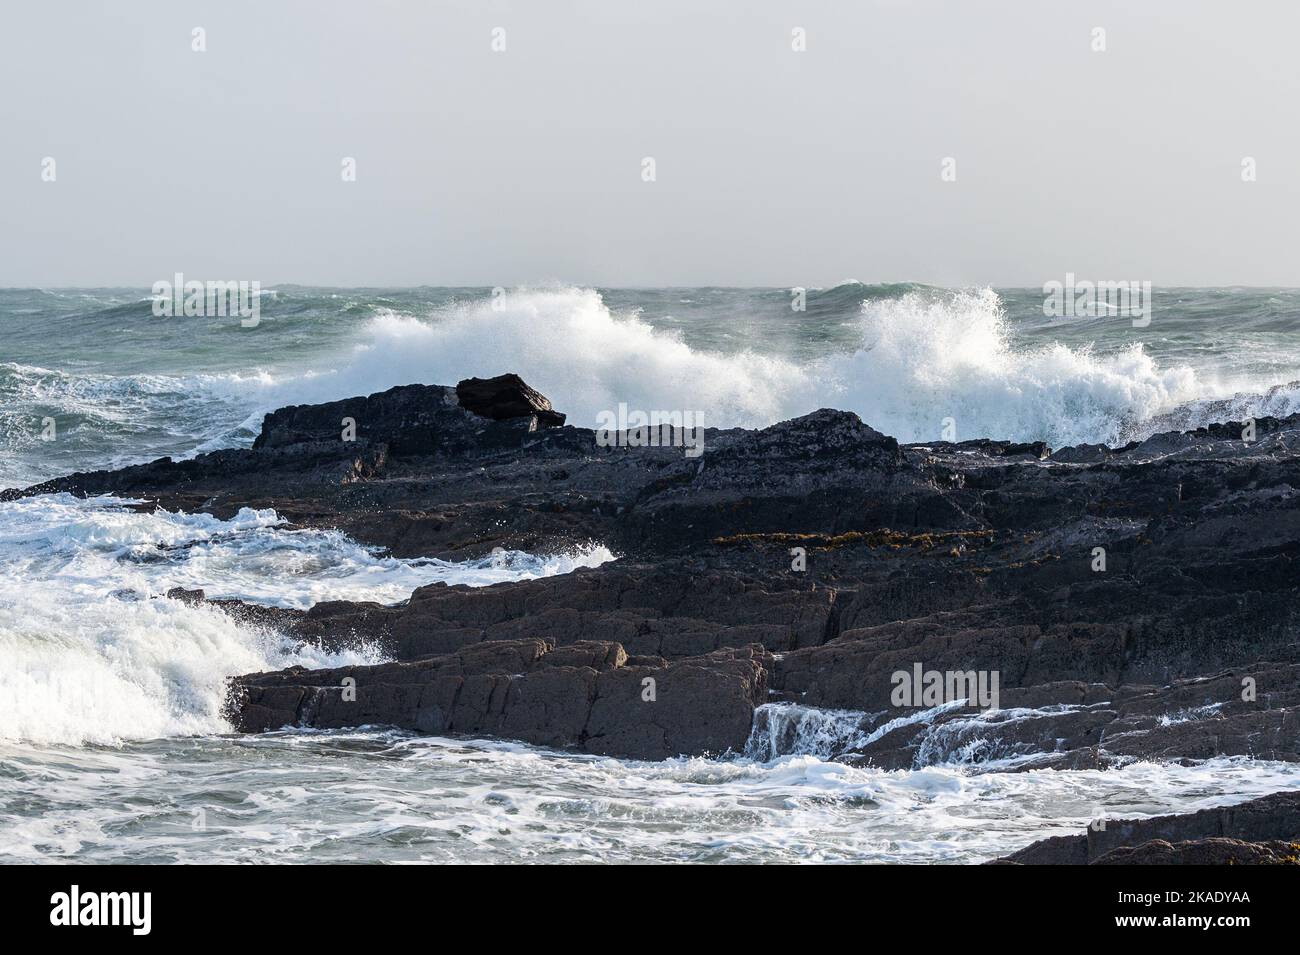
(113, 747)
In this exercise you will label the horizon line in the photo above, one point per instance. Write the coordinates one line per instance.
(541, 286)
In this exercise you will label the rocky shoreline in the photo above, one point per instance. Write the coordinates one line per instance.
(1134, 603)
(1264, 831)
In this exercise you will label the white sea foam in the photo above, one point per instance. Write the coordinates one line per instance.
(106, 420)
(102, 545)
(920, 358)
(783, 729)
(791, 729)
(568, 345)
(337, 796)
(924, 358)
(90, 653)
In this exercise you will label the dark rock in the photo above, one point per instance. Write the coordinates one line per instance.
(186, 596)
(1035, 449)
(1264, 830)
(842, 553)
(506, 396)
(1204, 852)
(406, 419)
(584, 695)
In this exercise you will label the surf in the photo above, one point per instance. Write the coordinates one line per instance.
(92, 652)
(924, 359)
(916, 362)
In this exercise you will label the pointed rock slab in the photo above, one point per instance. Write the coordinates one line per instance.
(506, 396)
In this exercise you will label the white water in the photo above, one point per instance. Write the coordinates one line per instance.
(337, 797)
(90, 651)
(923, 359)
(790, 729)
(920, 358)
(113, 748)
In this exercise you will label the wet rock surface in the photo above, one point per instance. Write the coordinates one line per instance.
(587, 694)
(1264, 831)
(1135, 603)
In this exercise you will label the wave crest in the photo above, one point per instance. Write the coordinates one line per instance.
(926, 355)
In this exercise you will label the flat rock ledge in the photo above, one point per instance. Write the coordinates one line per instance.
(1264, 831)
(588, 695)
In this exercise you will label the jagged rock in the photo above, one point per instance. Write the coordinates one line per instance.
(651, 610)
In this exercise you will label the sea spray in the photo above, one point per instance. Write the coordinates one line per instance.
(906, 358)
(920, 358)
(91, 652)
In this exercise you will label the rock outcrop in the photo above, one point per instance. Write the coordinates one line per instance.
(506, 396)
(1264, 831)
(1134, 602)
(587, 694)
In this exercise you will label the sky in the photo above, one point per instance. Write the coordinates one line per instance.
(772, 166)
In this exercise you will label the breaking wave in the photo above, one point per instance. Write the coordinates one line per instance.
(924, 356)
(913, 361)
(91, 652)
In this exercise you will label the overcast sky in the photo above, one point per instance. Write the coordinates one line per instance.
(774, 167)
